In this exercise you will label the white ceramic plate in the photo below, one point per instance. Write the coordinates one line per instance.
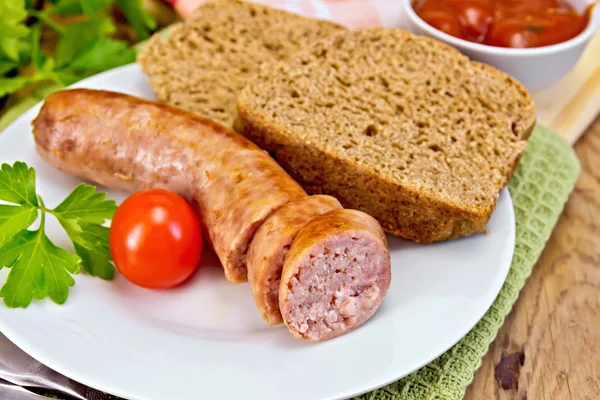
(206, 340)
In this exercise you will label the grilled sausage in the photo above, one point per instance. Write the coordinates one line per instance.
(335, 275)
(269, 248)
(337, 270)
(126, 143)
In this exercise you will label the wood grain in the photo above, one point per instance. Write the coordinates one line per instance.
(549, 346)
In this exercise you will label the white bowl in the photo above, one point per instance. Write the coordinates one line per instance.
(536, 68)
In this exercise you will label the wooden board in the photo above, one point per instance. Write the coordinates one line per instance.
(570, 106)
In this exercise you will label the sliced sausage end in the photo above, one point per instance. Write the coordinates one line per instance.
(337, 282)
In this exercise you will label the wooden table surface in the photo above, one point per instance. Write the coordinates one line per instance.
(549, 345)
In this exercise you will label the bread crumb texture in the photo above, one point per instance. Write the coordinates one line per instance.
(207, 59)
(400, 126)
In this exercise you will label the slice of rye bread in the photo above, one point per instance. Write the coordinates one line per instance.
(402, 127)
(207, 59)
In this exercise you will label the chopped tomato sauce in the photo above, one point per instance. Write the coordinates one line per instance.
(505, 23)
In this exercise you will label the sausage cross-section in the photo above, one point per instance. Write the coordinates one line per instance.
(335, 276)
(130, 144)
(270, 246)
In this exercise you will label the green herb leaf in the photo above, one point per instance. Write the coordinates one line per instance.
(66, 7)
(24, 51)
(12, 27)
(93, 248)
(77, 37)
(81, 215)
(14, 219)
(38, 268)
(138, 18)
(6, 66)
(17, 184)
(13, 12)
(11, 85)
(36, 55)
(10, 47)
(534, 28)
(103, 54)
(47, 19)
(30, 4)
(47, 68)
(91, 242)
(91, 7)
(85, 204)
(67, 78)
(88, 7)
(43, 66)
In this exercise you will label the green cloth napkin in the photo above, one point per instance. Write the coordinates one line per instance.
(540, 187)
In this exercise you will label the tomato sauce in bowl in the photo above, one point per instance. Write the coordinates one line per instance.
(505, 23)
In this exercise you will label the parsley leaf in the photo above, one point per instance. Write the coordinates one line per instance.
(66, 78)
(37, 56)
(81, 215)
(85, 204)
(103, 54)
(38, 267)
(10, 85)
(17, 184)
(44, 67)
(93, 248)
(76, 38)
(6, 66)
(12, 27)
(67, 7)
(140, 20)
(14, 219)
(91, 242)
(88, 7)
(91, 7)
(83, 48)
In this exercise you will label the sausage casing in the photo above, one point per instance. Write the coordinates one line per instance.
(127, 143)
(270, 246)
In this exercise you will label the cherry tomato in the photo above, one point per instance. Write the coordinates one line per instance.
(155, 239)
